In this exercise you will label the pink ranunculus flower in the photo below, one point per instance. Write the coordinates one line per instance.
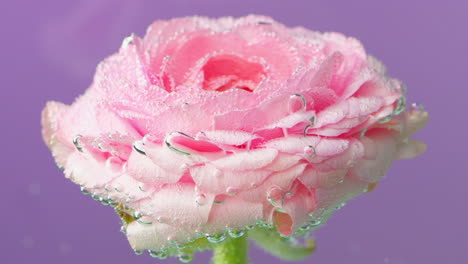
(208, 126)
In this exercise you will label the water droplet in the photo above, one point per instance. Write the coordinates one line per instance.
(312, 120)
(145, 220)
(59, 166)
(305, 227)
(201, 199)
(186, 258)
(123, 229)
(231, 191)
(275, 196)
(127, 41)
(266, 225)
(263, 23)
(84, 191)
(112, 202)
(309, 151)
(417, 107)
(236, 233)
(141, 186)
(401, 105)
(104, 201)
(138, 146)
(167, 141)
(161, 219)
(306, 129)
(96, 197)
(341, 205)
(77, 143)
(250, 227)
(138, 252)
(315, 222)
(118, 187)
(297, 102)
(216, 237)
(259, 220)
(385, 119)
(161, 254)
(185, 106)
(149, 140)
(137, 214)
(363, 132)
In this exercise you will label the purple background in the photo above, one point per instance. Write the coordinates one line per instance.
(50, 50)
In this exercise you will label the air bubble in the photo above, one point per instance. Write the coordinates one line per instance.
(123, 229)
(137, 215)
(401, 105)
(312, 120)
(275, 196)
(84, 191)
(297, 102)
(104, 201)
(167, 141)
(363, 132)
(232, 191)
(161, 254)
(186, 258)
(127, 41)
(236, 233)
(77, 143)
(385, 119)
(141, 186)
(250, 227)
(315, 222)
(341, 205)
(138, 252)
(216, 237)
(161, 219)
(145, 220)
(149, 140)
(306, 129)
(310, 151)
(138, 146)
(201, 199)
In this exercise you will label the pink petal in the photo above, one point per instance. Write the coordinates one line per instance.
(313, 178)
(248, 160)
(156, 236)
(183, 207)
(211, 179)
(235, 213)
(282, 162)
(143, 169)
(87, 171)
(234, 138)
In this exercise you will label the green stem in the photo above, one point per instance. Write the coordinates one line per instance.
(232, 251)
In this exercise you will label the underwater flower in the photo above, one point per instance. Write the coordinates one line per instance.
(208, 127)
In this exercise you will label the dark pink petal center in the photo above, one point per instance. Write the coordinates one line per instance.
(226, 72)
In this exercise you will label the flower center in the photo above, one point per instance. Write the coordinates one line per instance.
(226, 72)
